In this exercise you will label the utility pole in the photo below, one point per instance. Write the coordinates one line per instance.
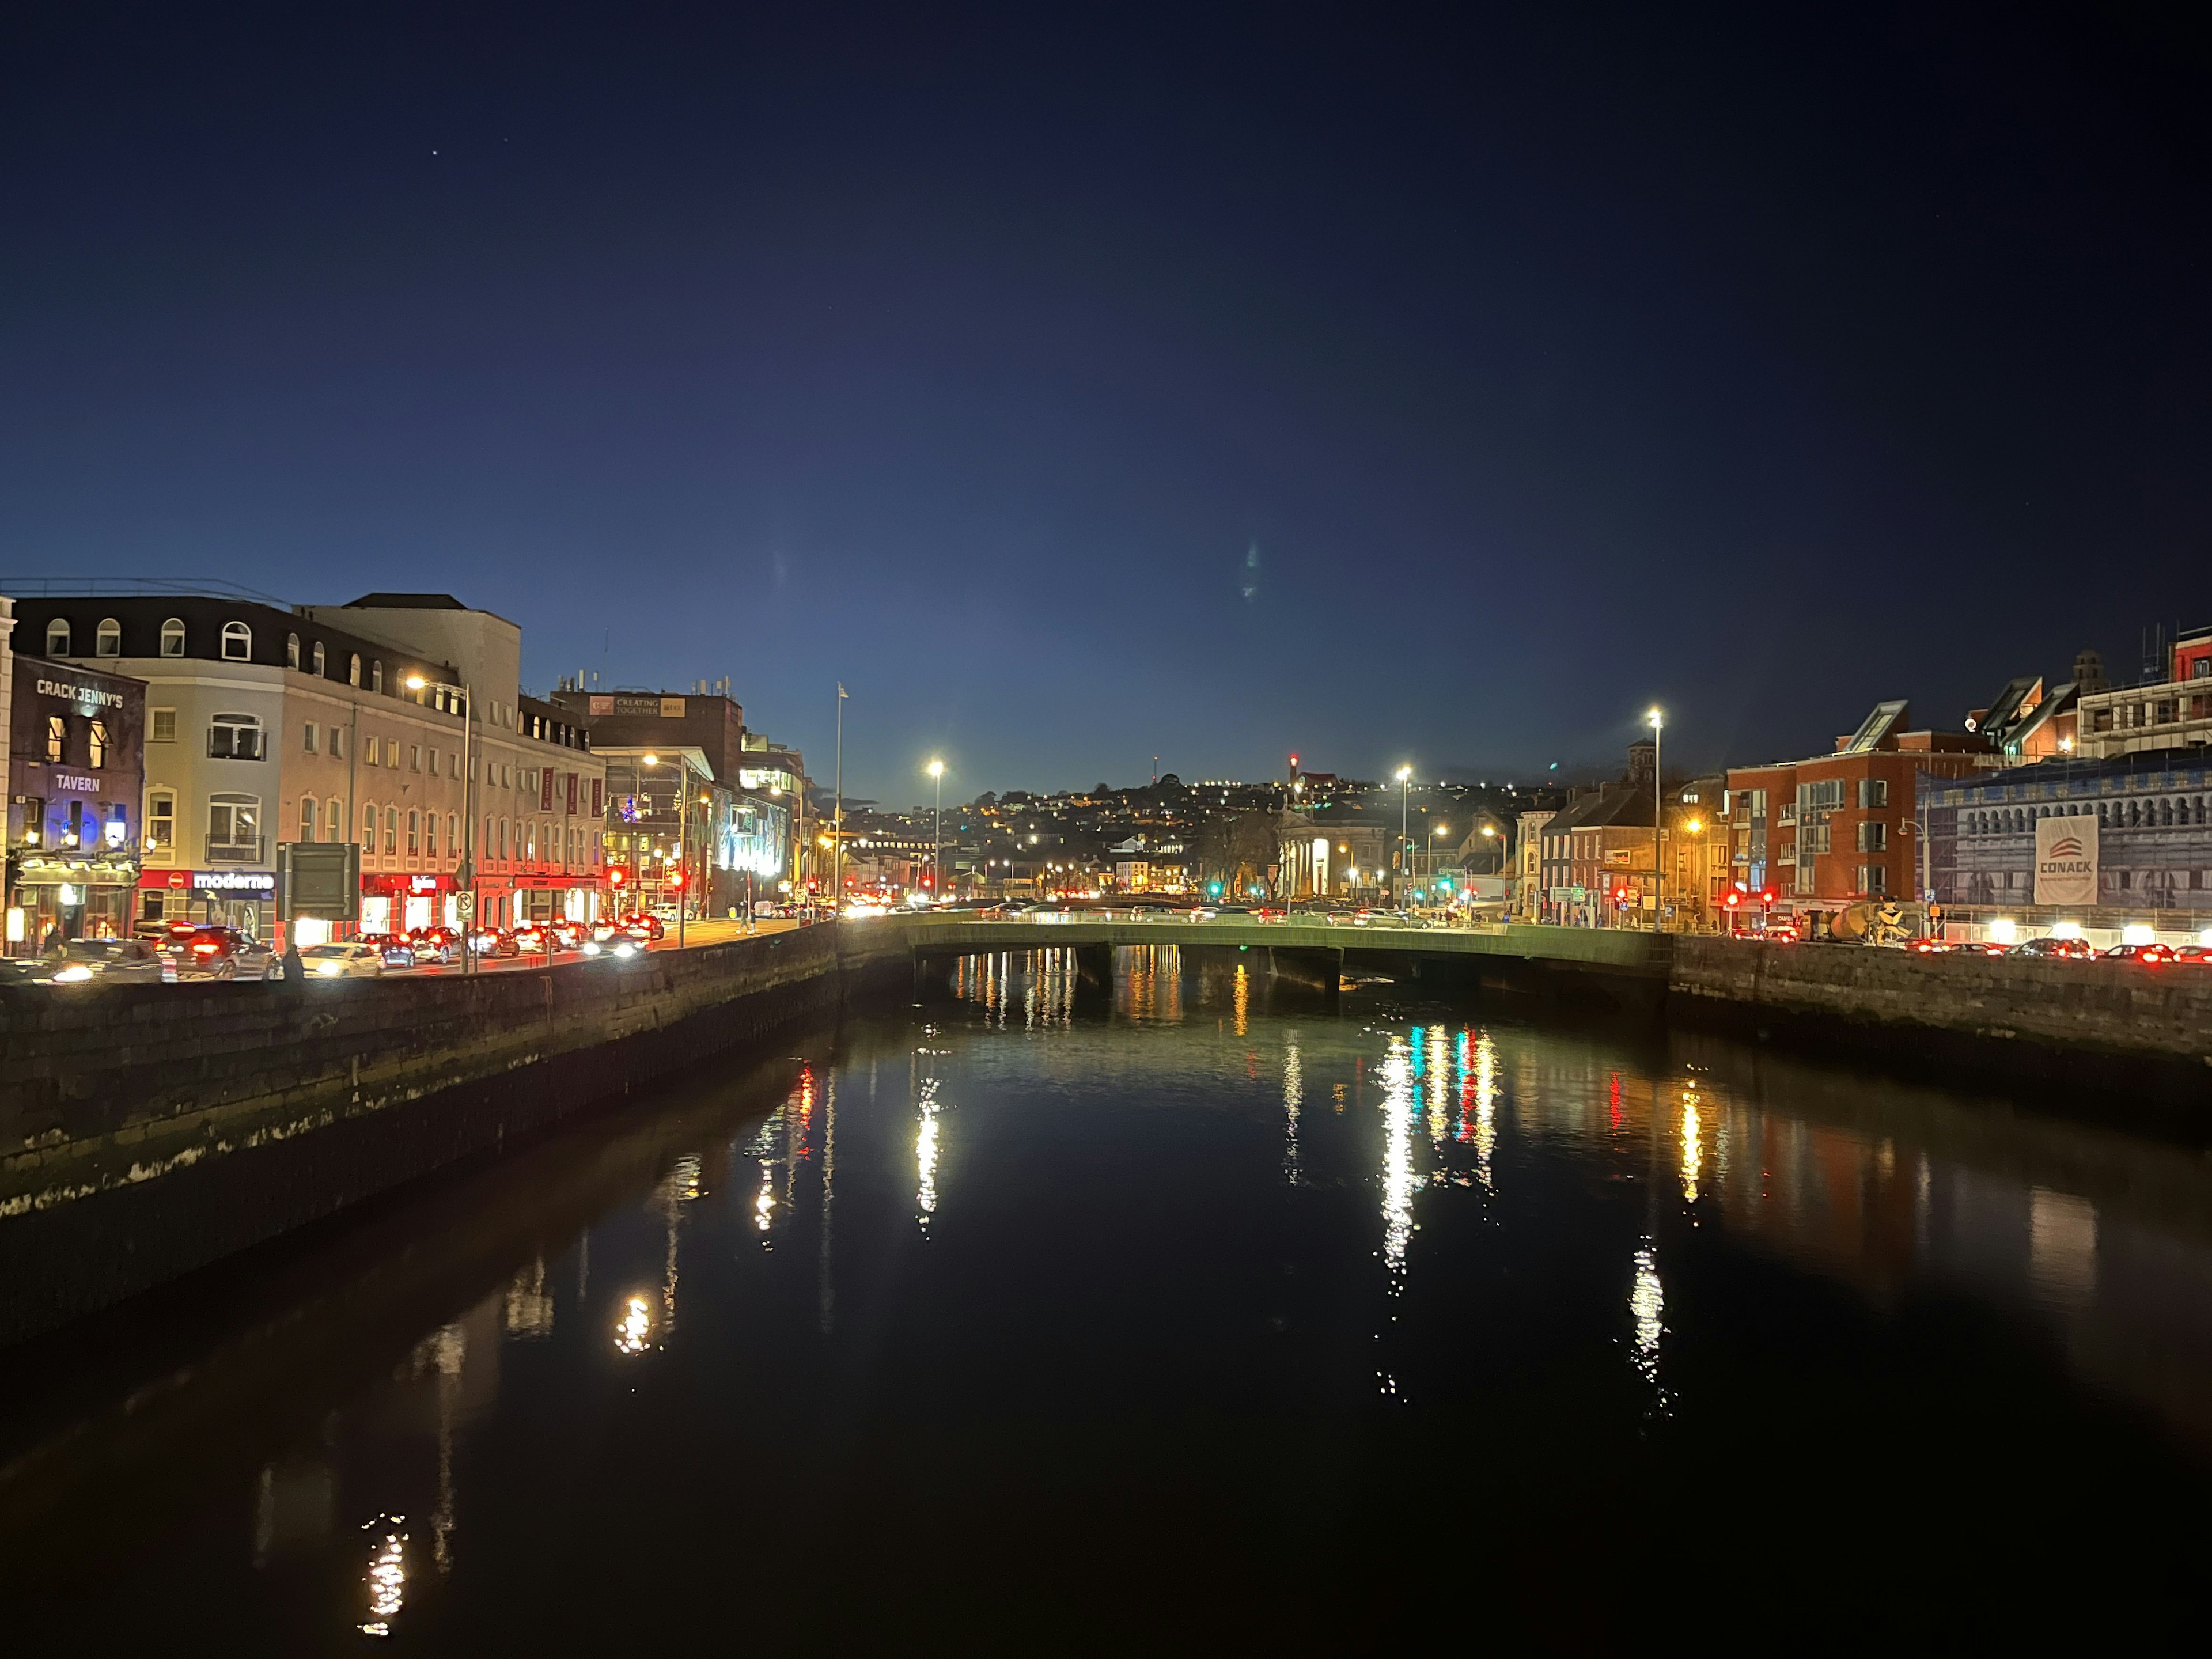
(837, 881)
(937, 849)
(1404, 797)
(1658, 829)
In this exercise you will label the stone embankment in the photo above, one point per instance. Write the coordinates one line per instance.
(2074, 1018)
(149, 1129)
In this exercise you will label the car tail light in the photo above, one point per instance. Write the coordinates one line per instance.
(205, 947)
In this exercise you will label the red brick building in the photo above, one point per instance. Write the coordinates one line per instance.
(1831, 830)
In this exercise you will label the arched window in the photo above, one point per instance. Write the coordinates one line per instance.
(172, 637)
(237, 643)
(334, 819)
(353, 670)
(291, 651)
(58, 637)
(368, 829)
(453, 834)
(108, 640)
(429, 835)
(390, 829)
(414, 833)
(307, 818)
(320, 660)
(2166, 814)
(376, 675)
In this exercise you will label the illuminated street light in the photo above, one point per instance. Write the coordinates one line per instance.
(1404, 797)
(937, 849)
(1657, 722)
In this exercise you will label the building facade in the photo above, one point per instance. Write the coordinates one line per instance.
(2144, 835)
(2174, 714)
(265, 725)
(75, 795)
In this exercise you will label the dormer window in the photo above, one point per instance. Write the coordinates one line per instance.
(108, 641)
(353, 670)
(58, 637)
(172, 637)
(321, 659)
(237, 643)
(376, 675)
(291, 651)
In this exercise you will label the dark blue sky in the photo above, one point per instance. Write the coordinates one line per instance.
(1198, 382)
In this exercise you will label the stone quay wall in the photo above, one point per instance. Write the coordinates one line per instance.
(146, 1130)
(2071, 1015)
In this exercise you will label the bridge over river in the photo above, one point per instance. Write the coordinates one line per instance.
(1619, 964)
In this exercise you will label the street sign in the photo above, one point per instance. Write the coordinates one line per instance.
(465, 903)
(318, 879)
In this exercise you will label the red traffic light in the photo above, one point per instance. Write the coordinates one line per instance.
(1734, 899)
(675, 878)
(1766, 895)
(615, 877)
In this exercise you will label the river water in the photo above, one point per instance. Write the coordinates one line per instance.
(1184, 1318)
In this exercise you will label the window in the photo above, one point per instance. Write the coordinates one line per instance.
(237, 643)
(502, 838)
(307, 818)
(161, 821)
(1872, 793)
(353, 670)
(376, 675)
(486, 843)
(369, 752)
(234, 829)
(161, 726)
(234, 736)
(414, 833)
(430, 834)
(453, 832)
(1873, 837)
(367, 830)
(313, 734)
(337, 743)
(57, 734)
(58, 637)
(414, 756)
(320, 660)
(333, 819)
(392, 829)
(392, 753)
(172, 637)
(291, 651)
(96, 744)
(1874, 879)
(434, 762)
(107, 640)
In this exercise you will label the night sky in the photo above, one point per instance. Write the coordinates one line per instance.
(1189, 381)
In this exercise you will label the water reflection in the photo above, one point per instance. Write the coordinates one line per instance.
(1294, 1095)
(633, 1330)
(1647, 1308)
(387, 1577)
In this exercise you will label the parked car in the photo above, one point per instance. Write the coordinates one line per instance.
(2154, 955)
(2062, 950)
(212, 951)
(83, 960)
(351, 959)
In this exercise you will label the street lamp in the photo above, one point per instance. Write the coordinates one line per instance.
(1490, 832)
(1405, 796)
(937, 833)
(1658, 826)
(466, 875)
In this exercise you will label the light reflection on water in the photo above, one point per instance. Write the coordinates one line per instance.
(1116, 1160)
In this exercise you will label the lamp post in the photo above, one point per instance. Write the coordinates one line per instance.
(937, 836)
(1658, 826)
(466, 875)
(1405, 797)
(837, 878)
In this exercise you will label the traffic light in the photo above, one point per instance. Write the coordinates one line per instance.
(1766, 895)
(675, 878)
(616, 876)
(1735, 899)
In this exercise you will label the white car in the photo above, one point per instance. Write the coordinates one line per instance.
(343, 962)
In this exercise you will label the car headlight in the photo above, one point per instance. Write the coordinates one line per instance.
(75, 974)
(625, 948)
(330, 969)
(591, 947)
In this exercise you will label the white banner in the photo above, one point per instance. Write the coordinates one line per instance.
(2066, 860)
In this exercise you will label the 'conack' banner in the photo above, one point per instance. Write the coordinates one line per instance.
(2066, 860)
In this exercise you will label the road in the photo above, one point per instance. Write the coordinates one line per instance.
(695, 933)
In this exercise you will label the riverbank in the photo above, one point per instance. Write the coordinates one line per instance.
(154, 1128)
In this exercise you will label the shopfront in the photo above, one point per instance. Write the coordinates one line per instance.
(544, 898)
(244, 899)
(76, 783)
(402, 903)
